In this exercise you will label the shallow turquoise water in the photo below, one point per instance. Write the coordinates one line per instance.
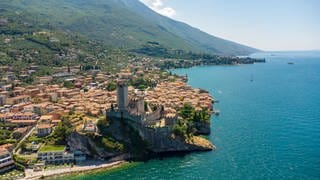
(267, 129)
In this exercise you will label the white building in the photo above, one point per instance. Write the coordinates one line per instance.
(44, 130)
(6, 162)
(55, 155)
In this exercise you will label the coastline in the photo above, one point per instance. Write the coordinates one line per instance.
(48, 174)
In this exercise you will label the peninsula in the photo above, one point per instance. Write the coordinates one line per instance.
(78, 116)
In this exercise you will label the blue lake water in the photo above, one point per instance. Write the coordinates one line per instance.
(269, 128)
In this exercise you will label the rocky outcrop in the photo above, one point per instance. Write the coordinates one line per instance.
(134, 135)
(160, 140)
(85, 144)
(202, 128)
(201, 142)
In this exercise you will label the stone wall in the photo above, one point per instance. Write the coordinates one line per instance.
(124, 115)
(162, 141)
(154, 116)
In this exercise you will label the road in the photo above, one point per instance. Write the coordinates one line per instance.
(23, 139)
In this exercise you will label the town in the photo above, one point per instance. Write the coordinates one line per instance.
(37, 117)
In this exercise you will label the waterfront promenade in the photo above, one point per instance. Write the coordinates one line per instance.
(31, 175)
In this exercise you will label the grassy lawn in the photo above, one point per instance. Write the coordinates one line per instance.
(47, 148)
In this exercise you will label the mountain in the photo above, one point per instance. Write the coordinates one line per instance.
(194, 36)
(127, 24)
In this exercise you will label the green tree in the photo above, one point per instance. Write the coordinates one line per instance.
(180, 130)
(187, 111)
(62, 131)
(68, 84)
(111, 86)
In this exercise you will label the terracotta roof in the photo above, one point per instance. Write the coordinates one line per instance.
(8, 147)
(45, 126)
(23, 121)
(45, 117)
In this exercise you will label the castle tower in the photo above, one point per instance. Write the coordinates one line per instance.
(140, 104)
(122, 96)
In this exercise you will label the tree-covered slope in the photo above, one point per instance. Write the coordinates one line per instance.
(121, 23)
(206, 42)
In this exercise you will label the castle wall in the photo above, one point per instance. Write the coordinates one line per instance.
(124, 115)
(154, 116)
(160, 139)
(136, 106)
(140, 106)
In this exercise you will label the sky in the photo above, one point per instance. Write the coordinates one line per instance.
(270, 25)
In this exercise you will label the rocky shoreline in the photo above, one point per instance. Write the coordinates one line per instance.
(158, 142)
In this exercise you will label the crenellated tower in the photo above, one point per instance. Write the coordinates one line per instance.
(122, 96)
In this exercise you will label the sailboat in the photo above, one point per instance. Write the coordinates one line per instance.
(251, 78)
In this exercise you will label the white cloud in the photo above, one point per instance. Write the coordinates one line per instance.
(157, 3)
(167, 11)
(159, 7)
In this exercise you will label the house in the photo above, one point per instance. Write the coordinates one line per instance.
(24, 116)
(90, 127)
(56, 121)
(28, 108)
(19, 107)
(18, 99)
(8, 147)
(44, 130)
(21, 123)
(5, 68)
(41, 108)
(9, 77)
(44, 79)
(46, 119)
(33, 92)
(34, 68)
(6, 161)
(7, 87)
(2, 100)
(53, 154)
(4, 117)
(18, 133)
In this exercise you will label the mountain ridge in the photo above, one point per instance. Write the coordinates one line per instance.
(154, 15)
(127, 24)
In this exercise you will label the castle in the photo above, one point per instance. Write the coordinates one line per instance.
(136, 110)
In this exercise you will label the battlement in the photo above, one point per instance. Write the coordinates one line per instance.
(125, 115)
(134, 110)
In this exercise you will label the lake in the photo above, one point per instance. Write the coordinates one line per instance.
(268, 128)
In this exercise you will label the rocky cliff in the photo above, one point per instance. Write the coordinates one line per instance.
(81, 142)
(140, 142)
(202, 128)
(158, 140)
